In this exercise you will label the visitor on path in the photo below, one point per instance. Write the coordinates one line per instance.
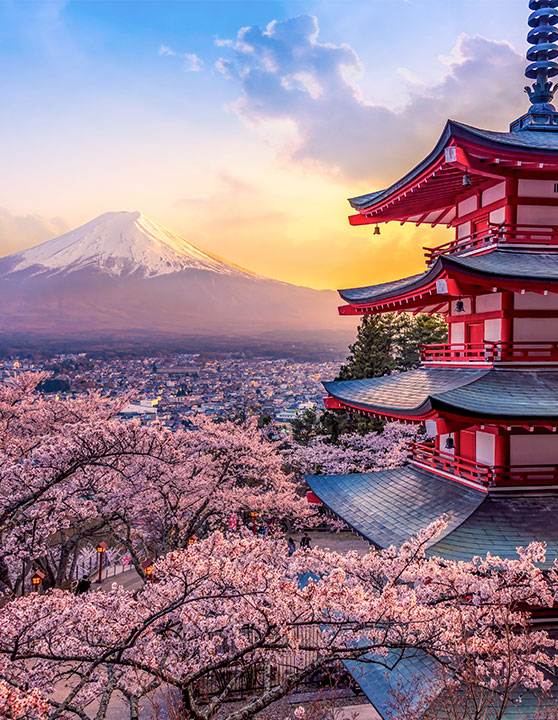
(305, 541)
(291, 545)
(83, 586)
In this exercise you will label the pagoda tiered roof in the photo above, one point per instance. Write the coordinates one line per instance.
(500, 269)
(430, 191)
(403, 673)
(498, 394)
(388, 506)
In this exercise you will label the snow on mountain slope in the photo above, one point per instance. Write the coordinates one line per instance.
(119, 244)
(125, 276)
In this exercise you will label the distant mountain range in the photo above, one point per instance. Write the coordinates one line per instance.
(124, 278)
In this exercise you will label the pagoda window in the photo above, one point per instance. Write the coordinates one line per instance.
(467, 206)
(485, 447)
(488, 303)
(537, 215)
(493, 330)
(463, 230)
(538, 188)
(457, 333)
(535, 329)
(535, 301)
(494, 193)
(497, 217)
(531, 449)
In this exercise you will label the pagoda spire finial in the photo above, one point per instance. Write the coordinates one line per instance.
(543, 34)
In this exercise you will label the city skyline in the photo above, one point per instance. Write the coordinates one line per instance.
(244, 126)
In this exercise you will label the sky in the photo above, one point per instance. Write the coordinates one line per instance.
(244, 126)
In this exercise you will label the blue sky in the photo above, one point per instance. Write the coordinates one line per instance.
(247, 142)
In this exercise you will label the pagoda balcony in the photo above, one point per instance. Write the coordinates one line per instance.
(496, 236)
(490, 353)
(470, 472)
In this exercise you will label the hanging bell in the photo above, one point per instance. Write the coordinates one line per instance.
(459, 306)
(466, 180)
(450, 444)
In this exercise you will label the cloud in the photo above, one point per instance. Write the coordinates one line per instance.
(190, 61)
(23, 231)
(286, 75)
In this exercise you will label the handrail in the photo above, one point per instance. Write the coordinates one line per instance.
(479, 473)
(496, 235)
(491, 352)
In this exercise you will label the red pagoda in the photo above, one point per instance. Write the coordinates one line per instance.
(489, 398)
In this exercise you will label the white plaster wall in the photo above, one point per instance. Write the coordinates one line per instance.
(488, 303)
(498, 216)
(485, 447)
(494, 193)
(467, 206)
(493, 329)
(535, 329)
(534, 449)
(464, 230)
(467, 306)
(457, 332)
(535, 301)
(537, 214)
(537, 188)
(443, 448)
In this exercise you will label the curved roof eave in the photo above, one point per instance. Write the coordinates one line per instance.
(361, 201)
(392, 289)
(523, 142)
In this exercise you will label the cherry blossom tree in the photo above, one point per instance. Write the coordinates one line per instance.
(230, 608)
(355, 453)
(72, 473)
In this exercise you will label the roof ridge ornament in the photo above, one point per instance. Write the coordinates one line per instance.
(543, 22)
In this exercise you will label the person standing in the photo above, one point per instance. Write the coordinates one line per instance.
(83, 586)
(291, 546)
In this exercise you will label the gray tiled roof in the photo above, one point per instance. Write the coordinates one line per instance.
(412, 669)
(492, 393)
(495, 264)
(523, 140)
(389, 506)
(381, 685)
(507, 393)
(500, 525)
(402, 391)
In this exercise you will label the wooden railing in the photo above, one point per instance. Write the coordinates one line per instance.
(491, 352)
(427, 455)
(541, 238)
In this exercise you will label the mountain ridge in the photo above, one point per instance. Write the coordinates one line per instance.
(119, 243)
(124, 275)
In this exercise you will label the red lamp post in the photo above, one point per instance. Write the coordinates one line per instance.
(254, 515)
(148, 569)
(101, 547)
(36, 580)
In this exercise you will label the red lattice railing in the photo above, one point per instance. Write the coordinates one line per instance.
(491, 352)
(425, 454)
(539, 237)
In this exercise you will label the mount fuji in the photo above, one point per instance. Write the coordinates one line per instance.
(123, 277)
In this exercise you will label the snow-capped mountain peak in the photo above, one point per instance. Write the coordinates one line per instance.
(119, 244)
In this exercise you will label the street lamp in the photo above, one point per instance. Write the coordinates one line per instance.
(36, 580)
(148, 569)
(101, 547)
(254, 515)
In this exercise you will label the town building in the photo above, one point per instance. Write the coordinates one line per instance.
(489, 397)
